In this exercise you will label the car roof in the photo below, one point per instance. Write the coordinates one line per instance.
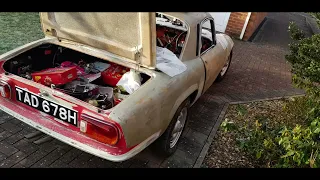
(191, 18)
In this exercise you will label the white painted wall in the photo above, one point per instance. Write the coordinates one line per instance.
(220, 20)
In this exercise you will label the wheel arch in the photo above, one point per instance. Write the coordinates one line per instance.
(191, 92)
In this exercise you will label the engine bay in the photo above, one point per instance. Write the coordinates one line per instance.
(95, 81)
(98, 82)
(171, 33)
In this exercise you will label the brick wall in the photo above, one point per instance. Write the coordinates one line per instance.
(235, 23)
(255, 19)
(237, 20)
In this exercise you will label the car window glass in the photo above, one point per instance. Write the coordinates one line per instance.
(206, 36)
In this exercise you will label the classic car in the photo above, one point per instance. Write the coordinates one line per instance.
(67, 84)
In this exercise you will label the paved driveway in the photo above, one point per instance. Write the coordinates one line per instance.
(258, 71)
(275, 29)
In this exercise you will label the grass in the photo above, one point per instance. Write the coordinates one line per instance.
(18, 28)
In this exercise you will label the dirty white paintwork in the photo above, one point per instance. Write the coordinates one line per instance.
(130, 35)
(146, 113)
(163, 22)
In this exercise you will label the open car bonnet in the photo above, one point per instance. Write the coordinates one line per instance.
(130, 35)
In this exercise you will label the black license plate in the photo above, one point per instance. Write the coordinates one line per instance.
(65, 114)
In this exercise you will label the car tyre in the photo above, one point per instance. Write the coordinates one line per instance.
(168, 142)
(225, 69)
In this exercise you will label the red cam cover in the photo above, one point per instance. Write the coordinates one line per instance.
(113, 74)
(56, 76)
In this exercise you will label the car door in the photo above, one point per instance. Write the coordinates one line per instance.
(211, 52)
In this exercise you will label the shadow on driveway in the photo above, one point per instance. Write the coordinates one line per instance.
(274, 31)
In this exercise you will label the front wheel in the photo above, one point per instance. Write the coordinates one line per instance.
(167, 143)
(225, 68)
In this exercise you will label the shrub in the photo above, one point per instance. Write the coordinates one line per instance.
(305, 60)
(285, 144)
(300, 144)
(316, 15)
(295, 142)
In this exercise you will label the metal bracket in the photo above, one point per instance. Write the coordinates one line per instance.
(138, 52)
(43, 93)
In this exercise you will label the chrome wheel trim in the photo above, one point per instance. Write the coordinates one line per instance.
(178, 127)
(225, 67)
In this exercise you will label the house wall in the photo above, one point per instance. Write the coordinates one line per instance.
(237, 21)
(255, 19)
(220, 20)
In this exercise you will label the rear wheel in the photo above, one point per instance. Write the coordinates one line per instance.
(167, 143)
(225, 68)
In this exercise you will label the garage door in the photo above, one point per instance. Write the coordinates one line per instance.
(220, 20)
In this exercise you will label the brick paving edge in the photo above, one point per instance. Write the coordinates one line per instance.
(209, 140)
(267, 99)
(214, 130)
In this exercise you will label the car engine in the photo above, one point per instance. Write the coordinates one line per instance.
(171, 34)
